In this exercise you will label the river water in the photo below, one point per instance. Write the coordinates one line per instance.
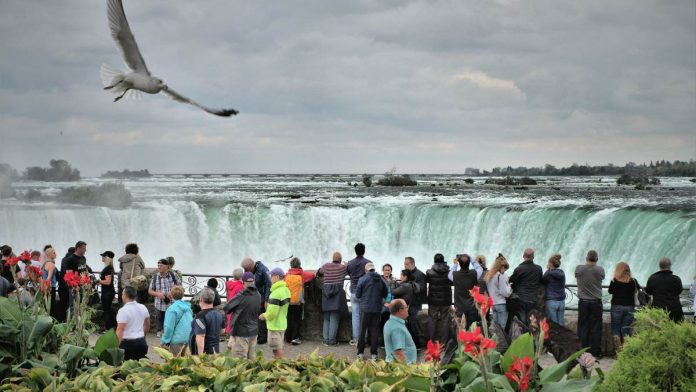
(209, 223)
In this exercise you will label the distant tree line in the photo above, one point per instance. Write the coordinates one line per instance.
(127, 174)
(58, 170)
(653, 169)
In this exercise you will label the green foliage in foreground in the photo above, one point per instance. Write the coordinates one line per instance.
(660, 356)
(224, 373)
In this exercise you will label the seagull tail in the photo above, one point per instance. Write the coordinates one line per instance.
(110, 75)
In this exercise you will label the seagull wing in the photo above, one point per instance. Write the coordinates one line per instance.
(124, 38)
(180, 98)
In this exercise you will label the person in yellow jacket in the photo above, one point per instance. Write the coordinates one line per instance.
(276, 314)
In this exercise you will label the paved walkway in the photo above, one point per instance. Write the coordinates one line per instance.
(343, 350)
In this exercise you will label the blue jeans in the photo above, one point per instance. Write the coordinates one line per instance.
(621, 320)
(355, 316)
(555, 310)
(331, 320)
(500, 314)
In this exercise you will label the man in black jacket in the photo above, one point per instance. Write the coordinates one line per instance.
(525, 281)
(439, 299)
(245, 308)
(665, 287)
(418, 300)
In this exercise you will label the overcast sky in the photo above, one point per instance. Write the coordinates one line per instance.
(352, 86)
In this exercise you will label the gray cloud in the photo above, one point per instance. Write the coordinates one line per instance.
(362, 86)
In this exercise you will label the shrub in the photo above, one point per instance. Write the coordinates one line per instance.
(367, 180)
(397, 180)
(59, 170)
(660, 356)
(130, 174)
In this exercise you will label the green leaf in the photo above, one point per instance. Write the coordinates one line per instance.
(70, 352)
(521, 347)
(556, 372)
(107, 340)
(571, 386)
(378, 386)
(9, 312)
(112, 356)
(41, 376)
(576, 373)
(36, 330)
(468, 373)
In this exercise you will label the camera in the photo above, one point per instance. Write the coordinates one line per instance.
(166, 300)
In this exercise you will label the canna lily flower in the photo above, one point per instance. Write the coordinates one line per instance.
(433, 351)
(25, 256)
(72, 278)
(12, 261)
(519, 372)
(544, 326)
(483, 301)
(475, 343)
(85, 280)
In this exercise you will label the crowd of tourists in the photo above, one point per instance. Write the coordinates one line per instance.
(267, 306)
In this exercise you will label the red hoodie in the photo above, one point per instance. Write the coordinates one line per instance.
(233, 287)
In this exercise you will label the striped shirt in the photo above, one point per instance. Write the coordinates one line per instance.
(163, 284)
(334, 273)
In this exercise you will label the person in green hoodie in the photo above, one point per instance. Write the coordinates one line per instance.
(276, 314)
(177, 323)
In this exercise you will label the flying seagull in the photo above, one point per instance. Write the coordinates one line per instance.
(139, 79)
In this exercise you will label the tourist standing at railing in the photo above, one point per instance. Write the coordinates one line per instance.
(6, 272)
(130, 265)
(50, 273)
(392, 284)
(408, 290)
(499, 289)
(464, 279)
(439, 299)
(296, 279)
(177, 323)
(356, 269)
(161, 284)
(692, 290)
(481, 261)
(213, 285)
(106, 280)
(419, 300)
(589, 277)
(276, 315)
(623, 289)
(554, 281)
(525, 282)
(244, 309)
(206, 326)
(371, 292)
(72, 262)
(263, 283)
(333, 297)
(234, 286)
(665, 288)
(133, 323)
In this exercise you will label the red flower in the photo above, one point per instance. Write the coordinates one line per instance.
(45, 285)
(36, 271)
(72, 278)
(544, 325)
(483, 301)
(25, 256)
(519, 372)
(432, 353)
(85, 280)
(475, 343)
(12, 261)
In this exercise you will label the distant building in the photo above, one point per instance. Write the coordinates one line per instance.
(470, 171)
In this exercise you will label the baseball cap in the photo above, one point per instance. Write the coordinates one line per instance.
(247, 277)
(108, 254)
(369, 267)
(277, 271)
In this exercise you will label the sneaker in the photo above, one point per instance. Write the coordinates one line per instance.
(325, 344)
(159, 334)
(353, 342)
(374, 357)
(296, 342)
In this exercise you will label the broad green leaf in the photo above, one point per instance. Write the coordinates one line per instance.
(9, 312)
(378, 386)
(468, 373)
(571, 386)
(556, 372)
(41, 376)
(500, 382)
(107, 340)
(36, 330)
(112, 356)
(165, 354)
(521, 347)
(576, 373)
(70, 352)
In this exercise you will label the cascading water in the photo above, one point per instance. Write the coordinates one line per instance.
(208, 237)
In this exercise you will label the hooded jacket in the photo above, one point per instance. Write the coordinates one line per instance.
(407, 291)
(440, 287)
(245, 308)
(177, 323)
(262, 279)
(126, 263)
(371, 291)
(554, 280)
(277, 310)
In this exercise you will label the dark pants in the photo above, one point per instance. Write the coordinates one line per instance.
(263, 331)
(590, 325)
(523, 311)
(438, 323)
(294, 323)
(107, 300)
(134, 348)
(412, 323)
(369, 321)
(61, 312)
(160, 319)
(472, 316)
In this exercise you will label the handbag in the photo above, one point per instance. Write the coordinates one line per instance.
(139, 282)
(640, 297)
